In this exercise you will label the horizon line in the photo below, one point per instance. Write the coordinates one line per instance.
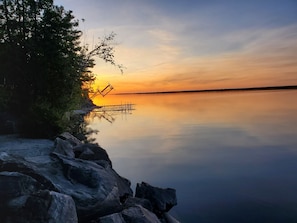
(287, 87)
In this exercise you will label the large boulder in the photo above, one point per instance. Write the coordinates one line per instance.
(169, 219)
(139, 214)
(113, 218)
(14, 185)
(137, 210)
(14, 163)
(23, 201)
(70, 146)
(49, 207)
(134, 201)
(91, 152)
(97, 190)
(133, 214)
(63, 147)
(70, 138)
(162, 199)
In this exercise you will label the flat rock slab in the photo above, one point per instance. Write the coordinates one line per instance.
(34, 150)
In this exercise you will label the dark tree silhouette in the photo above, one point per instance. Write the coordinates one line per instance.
(44, 69)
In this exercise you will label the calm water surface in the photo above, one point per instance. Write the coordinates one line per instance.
(232, 157)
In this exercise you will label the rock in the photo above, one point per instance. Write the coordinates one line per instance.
(64, 147)
(39, 172)
(132, 213)
(113, 218)
(50, 207)
(13, 184)
(15, 188)
(96, 190)
(91, 152)
(132, 201)
(70, 138)
(68, 145)
(85, 154)
(62, 208)
(162, 199)
(124, 186)
(169, 219)
(75, 183)
(22, 201)
(138, 214)
(29, 149)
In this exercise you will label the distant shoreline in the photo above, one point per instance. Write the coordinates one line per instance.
(292, 87)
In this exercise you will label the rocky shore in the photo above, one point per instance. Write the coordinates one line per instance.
(67, 181)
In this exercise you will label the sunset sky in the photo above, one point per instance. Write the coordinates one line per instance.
(193, 44)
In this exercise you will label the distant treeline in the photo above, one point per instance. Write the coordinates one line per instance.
(291, 87)
(44, 69)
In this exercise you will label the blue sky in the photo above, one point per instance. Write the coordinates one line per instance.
(187, 44)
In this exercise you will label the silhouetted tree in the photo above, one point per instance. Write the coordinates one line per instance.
(43, 66)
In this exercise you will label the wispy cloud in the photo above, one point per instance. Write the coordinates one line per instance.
(265, 57)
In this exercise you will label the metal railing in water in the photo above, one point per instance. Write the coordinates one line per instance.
(108, 112)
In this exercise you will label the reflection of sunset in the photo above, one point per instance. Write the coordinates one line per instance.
(207, 105)
(253, 110)
(202, 142)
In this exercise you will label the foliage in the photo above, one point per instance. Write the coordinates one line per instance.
(4, 99)
(43, 65)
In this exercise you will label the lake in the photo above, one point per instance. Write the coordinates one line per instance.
(232, 157)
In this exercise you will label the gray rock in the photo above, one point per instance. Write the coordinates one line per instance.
(49, 207)
(64, 147)
(30, 149)
(38, 171)
(74, 183)
(23, 201)
(113, 218)
(169, 219)
(96, 190)
(85, 154)
(162, 199)
(15, 188)
(91, 152)
(133, 201)
(13, 184)
(138, 214)
(62, 208)
(70, 138)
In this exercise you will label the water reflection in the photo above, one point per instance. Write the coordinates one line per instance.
(109, 112)
(231, 156)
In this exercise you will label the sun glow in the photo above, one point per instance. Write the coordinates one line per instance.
(265, 62)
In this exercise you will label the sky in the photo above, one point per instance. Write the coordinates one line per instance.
(170, 45)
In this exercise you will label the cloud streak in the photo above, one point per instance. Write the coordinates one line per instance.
(262, 60)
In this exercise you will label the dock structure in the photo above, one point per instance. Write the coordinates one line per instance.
(127, 107)
(108, 112)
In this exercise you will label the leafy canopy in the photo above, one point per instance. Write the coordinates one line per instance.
(44, 70)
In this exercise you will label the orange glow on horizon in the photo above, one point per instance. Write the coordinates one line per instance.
(269, 61)
(137, 86)
(227, 71)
